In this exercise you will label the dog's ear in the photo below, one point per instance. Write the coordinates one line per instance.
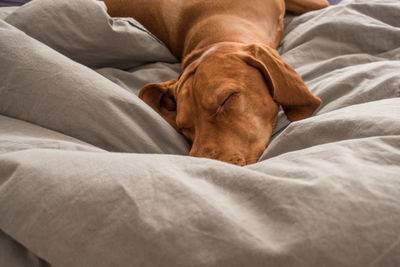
(286, 86)
(161, 97)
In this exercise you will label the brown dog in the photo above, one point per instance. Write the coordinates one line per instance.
(226, 99)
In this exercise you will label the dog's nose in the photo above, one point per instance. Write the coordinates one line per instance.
(237, 160)
(208, 152)
(204, 152)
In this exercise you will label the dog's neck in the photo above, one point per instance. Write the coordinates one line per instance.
(186, 26)
(228, 28)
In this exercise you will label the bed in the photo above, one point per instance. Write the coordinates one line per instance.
(92, 176)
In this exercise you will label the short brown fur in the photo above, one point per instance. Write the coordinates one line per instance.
(233, 80)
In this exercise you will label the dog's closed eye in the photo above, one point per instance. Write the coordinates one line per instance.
(227, 98)
(224, 100)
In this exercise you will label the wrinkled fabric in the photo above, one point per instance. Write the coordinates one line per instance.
(92, 176)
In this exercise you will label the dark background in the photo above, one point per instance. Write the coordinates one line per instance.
(12, 2)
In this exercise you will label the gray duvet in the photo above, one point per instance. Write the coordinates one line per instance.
(92, 176)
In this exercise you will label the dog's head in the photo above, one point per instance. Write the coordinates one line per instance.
(227, 98)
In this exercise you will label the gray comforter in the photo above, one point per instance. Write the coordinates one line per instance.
(92, 176)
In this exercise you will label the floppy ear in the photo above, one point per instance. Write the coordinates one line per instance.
(286, 86)
(161, 97)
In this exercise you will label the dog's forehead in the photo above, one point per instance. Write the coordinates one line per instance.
(219, 62)
(212, 74)
(215, 62)
(220, 71)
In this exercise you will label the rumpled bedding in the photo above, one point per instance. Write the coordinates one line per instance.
(92, 176)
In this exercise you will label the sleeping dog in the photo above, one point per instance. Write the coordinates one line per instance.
(227, 97)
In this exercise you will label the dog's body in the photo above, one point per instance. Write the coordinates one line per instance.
(226, 98)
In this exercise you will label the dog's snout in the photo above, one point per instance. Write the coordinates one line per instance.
(205, 152)
(238, 160)
(209, 152)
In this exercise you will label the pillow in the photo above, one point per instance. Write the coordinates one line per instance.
(84, 32)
